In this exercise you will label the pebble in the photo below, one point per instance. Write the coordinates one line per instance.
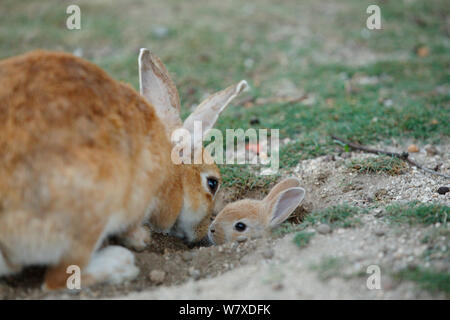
(277, 286)
(268, 253)
(194, 273)
(160, 32)
(323, 228)
(157, 276)
(431, 150)
(245, 260)
(187, 256)
(380, 193)
(379, 233)
(443, 190)
(346, 155)
(254, 120)
(413, 148)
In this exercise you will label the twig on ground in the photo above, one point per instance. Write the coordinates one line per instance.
(404, 155)
(253, 101)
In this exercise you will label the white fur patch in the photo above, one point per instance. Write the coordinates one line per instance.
(4, 269)
(113, 264)
(188, 221)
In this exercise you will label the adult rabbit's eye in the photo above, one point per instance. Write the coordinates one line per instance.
(213, 184)
(240, 226)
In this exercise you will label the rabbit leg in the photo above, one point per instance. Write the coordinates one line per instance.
(136, 238)
(6, 268)
(56, 276)
(112, 264)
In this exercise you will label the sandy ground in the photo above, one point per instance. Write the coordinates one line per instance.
(275, 268)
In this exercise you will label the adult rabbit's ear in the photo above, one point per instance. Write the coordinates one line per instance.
(158, 88)
(283, 204)
(209, 110)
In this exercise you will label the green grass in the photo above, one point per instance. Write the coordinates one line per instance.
(286, 228)
(416, 213)
(438, 244)
(302, 238)
(381, 164)
(294, 48)
(339, 216)
(243, 181)
(328, 268)
(431, 280)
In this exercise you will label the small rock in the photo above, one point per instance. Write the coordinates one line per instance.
(157, 276)
(254, 120)
(323, 228)
(187, 256)
(380, 193)
(245, 260)
(378, 211)
(379, 233)
(160, 32)
(277, 286)
(388, 102)
(268, 253)
(78, 52)
(438, 166)
(194, 273)
(413, 148)
(388, 283)
(329, 158)
(443, 190)
(422, 51)
(346, 155)
(431, 150)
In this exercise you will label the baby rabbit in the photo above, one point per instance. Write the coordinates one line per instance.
(245, 219)
(83, 156)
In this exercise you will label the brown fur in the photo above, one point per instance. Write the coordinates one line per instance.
(79, 151)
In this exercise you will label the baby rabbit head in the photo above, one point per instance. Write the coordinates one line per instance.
(246, 219)
(186, 203)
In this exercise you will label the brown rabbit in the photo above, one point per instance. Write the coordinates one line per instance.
(247, 218)
(83, 156)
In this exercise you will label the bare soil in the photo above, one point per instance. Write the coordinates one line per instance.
(275, 267)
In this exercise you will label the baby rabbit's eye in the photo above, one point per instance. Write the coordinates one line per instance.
(240, 226)
(213, 184)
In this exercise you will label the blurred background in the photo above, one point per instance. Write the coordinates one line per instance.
(313, 66)
(315, 70)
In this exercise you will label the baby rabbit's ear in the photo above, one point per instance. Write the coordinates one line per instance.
(209, 110)
(158, 88)
(281, 186)
(283, 204)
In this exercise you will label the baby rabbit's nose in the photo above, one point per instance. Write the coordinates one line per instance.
(212, 230)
